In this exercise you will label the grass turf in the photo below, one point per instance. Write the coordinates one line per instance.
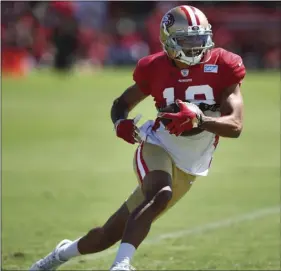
(64, 172)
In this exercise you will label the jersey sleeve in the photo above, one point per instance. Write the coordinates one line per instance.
(234, 70)
(141, 76)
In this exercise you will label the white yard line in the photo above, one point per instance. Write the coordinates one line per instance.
(196, 230)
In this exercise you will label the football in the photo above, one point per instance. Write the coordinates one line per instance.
(173, 108)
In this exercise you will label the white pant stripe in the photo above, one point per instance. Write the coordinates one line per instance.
(139, 163)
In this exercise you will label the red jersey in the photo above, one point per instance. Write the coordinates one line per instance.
(157, 75)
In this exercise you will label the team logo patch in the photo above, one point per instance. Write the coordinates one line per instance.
(168, 20)
(211, 68)
(184, 72)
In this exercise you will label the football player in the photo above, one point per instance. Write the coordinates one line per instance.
(202, 84)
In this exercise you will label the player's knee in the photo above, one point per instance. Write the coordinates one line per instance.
(162, 198)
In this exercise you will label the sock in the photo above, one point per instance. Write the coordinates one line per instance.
(125, 252)
(69, 251)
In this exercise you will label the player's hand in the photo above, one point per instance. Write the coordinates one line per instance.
(127, 129)
(187, 118)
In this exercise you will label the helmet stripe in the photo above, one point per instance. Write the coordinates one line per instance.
(196, 15)
(192, 15)
(188, 18)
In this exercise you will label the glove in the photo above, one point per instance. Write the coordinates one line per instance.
(187, 118)
(127, 129)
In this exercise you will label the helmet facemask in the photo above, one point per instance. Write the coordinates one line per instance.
(189, 46)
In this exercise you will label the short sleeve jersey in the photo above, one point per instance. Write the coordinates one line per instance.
(156, 75)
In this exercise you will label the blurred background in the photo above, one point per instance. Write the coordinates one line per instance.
(61, 34)
(64, 171)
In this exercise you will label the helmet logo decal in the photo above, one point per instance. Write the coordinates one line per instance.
(168, 20)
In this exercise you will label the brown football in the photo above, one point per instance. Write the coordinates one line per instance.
(173, 108)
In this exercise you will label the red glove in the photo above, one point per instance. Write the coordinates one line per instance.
(127, 130)
(188, 118)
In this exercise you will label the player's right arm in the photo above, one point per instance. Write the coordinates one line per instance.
(125, 128)
(133, 95)
(126, 102)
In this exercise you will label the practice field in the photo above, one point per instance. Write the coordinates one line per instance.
(64, 172)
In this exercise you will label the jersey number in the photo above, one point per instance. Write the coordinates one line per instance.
(192, 93)
(203, 92)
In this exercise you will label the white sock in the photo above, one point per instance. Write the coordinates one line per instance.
(69, 251)
(125, 252)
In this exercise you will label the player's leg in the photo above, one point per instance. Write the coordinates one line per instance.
(157, 188)
(101, 238)
(96, 240)
(155, 170)
(148, 193)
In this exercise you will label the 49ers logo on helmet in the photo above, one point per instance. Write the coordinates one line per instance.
(168, 20)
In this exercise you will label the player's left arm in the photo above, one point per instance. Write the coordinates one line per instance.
(230, 124)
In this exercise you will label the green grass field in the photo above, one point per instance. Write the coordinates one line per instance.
(64, 172)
